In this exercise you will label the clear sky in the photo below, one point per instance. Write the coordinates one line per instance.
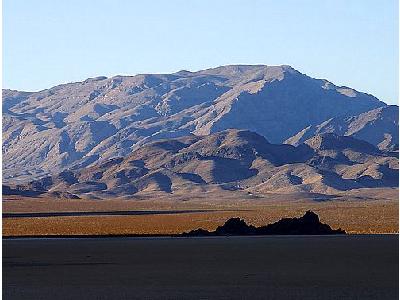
(349, 42)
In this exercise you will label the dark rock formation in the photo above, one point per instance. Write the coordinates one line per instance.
(308, 224)
(235, 226)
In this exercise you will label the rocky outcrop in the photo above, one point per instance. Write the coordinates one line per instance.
(308, 224)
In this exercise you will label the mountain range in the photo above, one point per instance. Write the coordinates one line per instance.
(235, 160)
(256, 128)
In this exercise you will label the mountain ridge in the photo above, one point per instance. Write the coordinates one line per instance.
(378, 127)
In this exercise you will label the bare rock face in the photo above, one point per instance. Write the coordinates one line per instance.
(379, 127)
(81, 124)
(232, 159)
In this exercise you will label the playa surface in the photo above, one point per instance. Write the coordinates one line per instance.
(270, 267)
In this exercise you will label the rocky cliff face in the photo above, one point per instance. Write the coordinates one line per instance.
(83, 123)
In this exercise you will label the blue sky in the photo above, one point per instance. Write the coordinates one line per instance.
(349, 42)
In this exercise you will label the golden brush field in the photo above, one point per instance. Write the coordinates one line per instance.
(362, 212)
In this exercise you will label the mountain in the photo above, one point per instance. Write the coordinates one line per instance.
(232, 160)
(379, 127)
(80, 124)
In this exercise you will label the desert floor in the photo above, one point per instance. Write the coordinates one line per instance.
(363, 211)
(267, 267)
